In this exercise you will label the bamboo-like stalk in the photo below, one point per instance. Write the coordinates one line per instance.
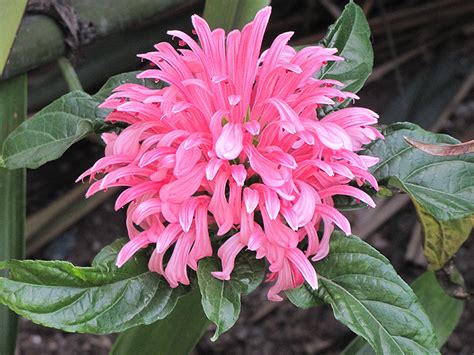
(11, 12)
(13, 98)
(40, 40)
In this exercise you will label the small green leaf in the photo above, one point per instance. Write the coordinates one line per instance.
(442, 238)
(221, 299)
(99, 299)
(443, 311)
(442, 186)
(176, 334)
(67, 120)
(350, 34)
(368, 296)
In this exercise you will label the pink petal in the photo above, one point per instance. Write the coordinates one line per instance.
(129, 249)
(251, 199)
(304, 266)
(272, 202)
(348, 191)
(213, 167)
(239, 174)
(227, 253)
(183, 187)
(176, 270)
(229, 144)
(335, 216)
(202, 244)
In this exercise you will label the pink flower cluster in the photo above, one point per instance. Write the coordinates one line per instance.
(233, 147)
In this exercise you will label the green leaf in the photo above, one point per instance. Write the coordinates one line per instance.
(221, 299)
(120, 79)
(67, 120)
(52, 131)
(232, 14)
(12, 12)
(443, 186)
(368, 296)
(99, 299)
(442, 238)
(443, 311)
(13, 97)
(350, 34)
(176, 334)
(358, 346)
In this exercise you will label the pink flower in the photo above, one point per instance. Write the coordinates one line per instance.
(233, 146)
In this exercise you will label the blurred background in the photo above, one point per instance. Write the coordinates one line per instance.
(424, 73)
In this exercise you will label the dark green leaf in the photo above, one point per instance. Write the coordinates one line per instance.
(221, 299)
(443, 311)
(351, 36)
(13, 97)
(443, 186)
(442, 238)
(52, 131)
(368, 296)
(98, 299)
(67, 120)
(176, 334)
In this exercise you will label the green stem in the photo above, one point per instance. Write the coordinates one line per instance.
(232, 14)
(69, 74)
(177, 334)
(13, 99)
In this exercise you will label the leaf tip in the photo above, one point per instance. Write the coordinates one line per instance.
(215, 336)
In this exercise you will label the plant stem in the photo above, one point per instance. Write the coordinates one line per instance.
(232, 14)
(69, 74)
(13, 99)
